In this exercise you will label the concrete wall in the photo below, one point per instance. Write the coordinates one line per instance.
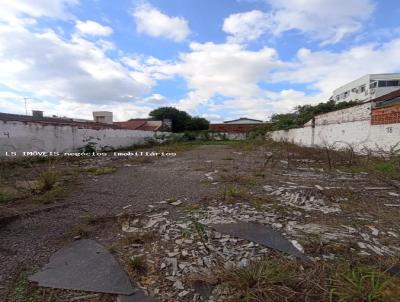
(342, 129)
(31, 136)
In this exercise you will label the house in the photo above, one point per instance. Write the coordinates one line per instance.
(368, 87)
(241, 125)
(105, 117)
(146, 124)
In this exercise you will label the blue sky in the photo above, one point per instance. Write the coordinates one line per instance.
(217, 59)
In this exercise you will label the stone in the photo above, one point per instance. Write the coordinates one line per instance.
(178, 285)
(260, 234)
(87, 266)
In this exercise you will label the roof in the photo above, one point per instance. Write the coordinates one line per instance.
(131, 124)
(244, 118)
(387, 97)
(139, 124)
(54, 121)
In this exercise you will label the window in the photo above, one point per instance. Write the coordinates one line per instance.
(392, 83)
(373, 85)
(382, 84)
(362, 88)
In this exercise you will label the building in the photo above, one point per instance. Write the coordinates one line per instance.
(386, 109)
(368, 87)
(146, 124)
(241, 125)
(105, 117)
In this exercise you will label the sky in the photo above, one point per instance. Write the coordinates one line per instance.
(218, 59)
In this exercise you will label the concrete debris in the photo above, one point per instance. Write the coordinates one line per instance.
(176, 203)
(303, 198)
(208, 175)
(261, 234)
(377, 188)
(393, 194)
(87, 266)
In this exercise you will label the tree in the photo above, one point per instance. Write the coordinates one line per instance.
(303, 114)
(181, 120)
(197, 123)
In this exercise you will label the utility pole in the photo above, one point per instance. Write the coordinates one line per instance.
(26, 107)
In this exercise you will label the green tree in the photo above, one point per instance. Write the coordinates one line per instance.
(303, 114)
(197, 123)
(179, 119)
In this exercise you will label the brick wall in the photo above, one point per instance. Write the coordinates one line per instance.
(232, 128)
(388, 115)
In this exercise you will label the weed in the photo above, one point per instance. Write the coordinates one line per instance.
(51, 196)
(8, 195)
(47, 180)
(138, 264)
(101, 170)
(23, 292)
(139, 238)
(264, 281)
(90, 219)
(361, 284)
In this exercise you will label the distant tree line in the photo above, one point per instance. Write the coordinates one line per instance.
(303, 114)
(181, 120)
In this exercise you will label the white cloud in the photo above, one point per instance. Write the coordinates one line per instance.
(246, 26)
(14, 11)
(92, 28)
(75, 70)
(324, 20)
(156, 99)
(224, 69)
(151, 21)
(326, 71)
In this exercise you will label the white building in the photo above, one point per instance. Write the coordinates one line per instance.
(244, 120)
(367, 87)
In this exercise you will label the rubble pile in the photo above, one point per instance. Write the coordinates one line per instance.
(303, 197)
(190, 246)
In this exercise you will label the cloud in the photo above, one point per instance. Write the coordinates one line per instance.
(248, 26)
(326, 70)
(151, 21)
(156, 99)
(75, 70)
(14, 11)
(225, 69)
(323, 20)
(92, 28)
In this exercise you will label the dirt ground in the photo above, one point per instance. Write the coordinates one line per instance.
(334, 213)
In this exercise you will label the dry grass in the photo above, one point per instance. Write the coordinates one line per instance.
(139, 238)
(100, 170)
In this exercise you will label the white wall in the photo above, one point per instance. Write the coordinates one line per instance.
(29, 136)
(341, 129)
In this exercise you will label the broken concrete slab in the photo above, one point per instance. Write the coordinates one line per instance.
(136, 297)
(84, 265)
(261, 234)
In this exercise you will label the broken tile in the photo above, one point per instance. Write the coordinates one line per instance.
(260, 234)
(84, 265)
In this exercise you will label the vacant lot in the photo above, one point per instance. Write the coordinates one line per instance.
(155, 216)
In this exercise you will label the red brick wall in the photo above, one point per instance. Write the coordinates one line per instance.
(232, 128)
(388, 115)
